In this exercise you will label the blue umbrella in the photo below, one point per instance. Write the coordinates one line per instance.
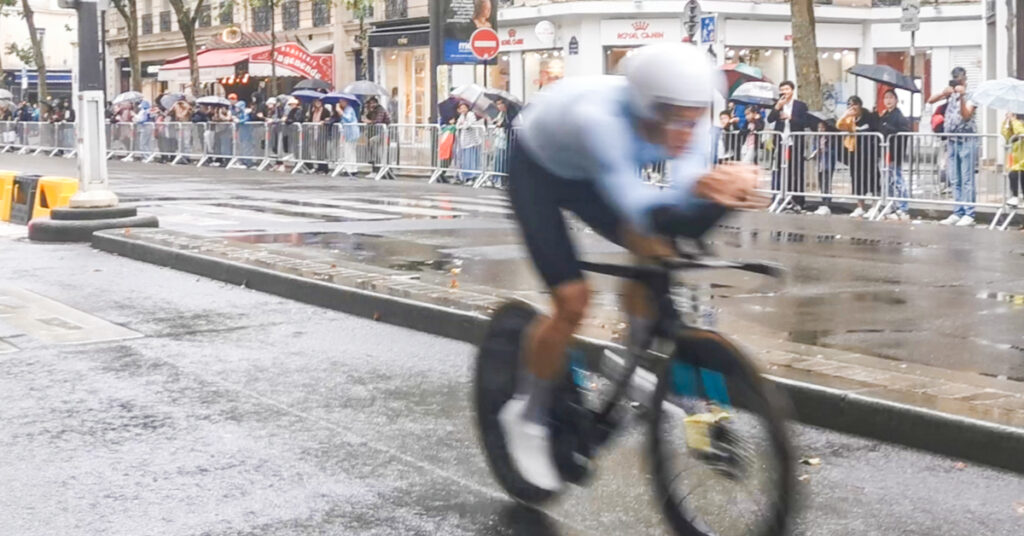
(306, 95)
(335, 97)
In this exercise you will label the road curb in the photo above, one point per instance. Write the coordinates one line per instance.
(969, 439)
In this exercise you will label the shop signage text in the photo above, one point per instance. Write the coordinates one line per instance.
(297, 60)
(638, 31)
(513, 39)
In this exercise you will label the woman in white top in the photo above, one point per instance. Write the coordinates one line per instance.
(470, 130)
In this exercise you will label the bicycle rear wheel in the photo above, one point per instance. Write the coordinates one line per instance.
(497, 366)
(720, 454)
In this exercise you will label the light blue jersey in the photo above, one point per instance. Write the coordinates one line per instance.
(585, 129)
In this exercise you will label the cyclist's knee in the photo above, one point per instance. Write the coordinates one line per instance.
(571, 301)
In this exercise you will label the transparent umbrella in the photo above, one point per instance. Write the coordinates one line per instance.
(128, 96)
(1003, 94)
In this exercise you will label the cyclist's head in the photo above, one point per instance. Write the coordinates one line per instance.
(672, 86)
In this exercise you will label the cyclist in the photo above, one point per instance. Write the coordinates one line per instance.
(580, 146)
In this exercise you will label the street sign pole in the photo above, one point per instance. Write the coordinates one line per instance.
(91, 142)
(910, 21)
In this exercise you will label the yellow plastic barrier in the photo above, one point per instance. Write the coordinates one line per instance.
(6, 193)
(53, 192)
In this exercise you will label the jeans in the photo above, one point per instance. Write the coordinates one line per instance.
(962, 154)
(897, 186)
(469, 161)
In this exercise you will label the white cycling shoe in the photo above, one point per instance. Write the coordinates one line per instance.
(529, 446)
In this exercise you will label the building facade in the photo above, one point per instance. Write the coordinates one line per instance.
(590, 37)
(314, 24)
(57, 28)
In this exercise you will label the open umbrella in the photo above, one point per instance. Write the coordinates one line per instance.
(336, 96)
(170, 99)
(477, 99)
(128, 96)
(365, 89)
(512, 102)
(307, 95)
(737, 74)
(6, 95)
(1003, 94)
(213, 100)
(884, 74)
(447, 110)
(314, 84)
(756, 93)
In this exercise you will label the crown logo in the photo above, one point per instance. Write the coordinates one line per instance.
(641, 25)
(512, 32)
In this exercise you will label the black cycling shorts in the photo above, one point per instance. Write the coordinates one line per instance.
(537, 197)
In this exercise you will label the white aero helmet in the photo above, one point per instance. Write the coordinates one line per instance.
(678, 74)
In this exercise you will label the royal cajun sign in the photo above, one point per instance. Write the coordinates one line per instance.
(640, 31)
(297, 60)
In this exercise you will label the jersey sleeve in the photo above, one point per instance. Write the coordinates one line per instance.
(609, 143)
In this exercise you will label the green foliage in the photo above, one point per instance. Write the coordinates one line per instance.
(23, 53)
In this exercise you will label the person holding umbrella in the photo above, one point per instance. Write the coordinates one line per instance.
(962, 151)
(790, 115)
(862, 152)
(469, 127)
(1013, 132)
(377, 120)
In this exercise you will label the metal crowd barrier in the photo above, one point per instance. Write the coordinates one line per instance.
(831, 165)
(907, 169)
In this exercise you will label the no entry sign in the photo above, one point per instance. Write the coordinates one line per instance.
(484, 43)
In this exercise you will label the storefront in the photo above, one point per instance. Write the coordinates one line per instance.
(620, 36)
(402, 61)
(529, 60)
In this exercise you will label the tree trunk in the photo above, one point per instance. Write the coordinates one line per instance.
(364, 43)
(128, 9)
(1011, 23)
(37, 48)
(805, 50)
(273, 49)
(187, 24)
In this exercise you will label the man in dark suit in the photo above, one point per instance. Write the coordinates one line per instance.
(788, 116)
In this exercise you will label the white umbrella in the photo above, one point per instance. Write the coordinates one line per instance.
(757, 93)
(213, 100)
(128, 96)
(1003, 94)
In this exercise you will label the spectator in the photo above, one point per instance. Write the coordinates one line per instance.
(377, 120)
(825, 154)
(890, 123)
(315, 144)
(862, 151)
(345, 115)
(502, 124)
(749, 134)
(788, 116)
(259, 97)
(727, 136)
(1013, 131)
(470, 137)
(393, 105)
(962, 150)
(222, 125)
(270, 115)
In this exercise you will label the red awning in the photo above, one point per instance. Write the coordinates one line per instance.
(226, 57)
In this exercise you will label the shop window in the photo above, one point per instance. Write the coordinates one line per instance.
(261, 18)
(613, 56)
(836, 84)
(772, 61)
(541, 68)
(165, 21)
(205, 19)
(290, 14)
(396, 9)
(321, 13)
(226, 15)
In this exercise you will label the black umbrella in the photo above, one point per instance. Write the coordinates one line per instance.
(314, 84)
(884, 74)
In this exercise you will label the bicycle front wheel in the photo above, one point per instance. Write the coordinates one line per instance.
(720, 454)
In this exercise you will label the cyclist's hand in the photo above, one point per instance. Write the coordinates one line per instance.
(645, 245)
(732, 185)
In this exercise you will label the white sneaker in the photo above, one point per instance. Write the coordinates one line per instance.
(823, 211)
(1013, 201)
(966, 221)
(899, 215)
(127, 159)
(858, 213)
(529, 446)
(951, 220)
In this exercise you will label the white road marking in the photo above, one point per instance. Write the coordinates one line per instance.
(53, 322)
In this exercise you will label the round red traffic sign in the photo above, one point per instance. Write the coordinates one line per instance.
(484, 43)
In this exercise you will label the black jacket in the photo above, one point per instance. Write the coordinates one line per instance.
(799, 120)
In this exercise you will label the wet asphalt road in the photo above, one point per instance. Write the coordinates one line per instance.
(918, 293)
(235, 412)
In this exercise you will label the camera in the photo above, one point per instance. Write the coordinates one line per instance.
(954, 82)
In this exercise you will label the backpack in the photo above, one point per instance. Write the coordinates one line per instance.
(939, 120)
